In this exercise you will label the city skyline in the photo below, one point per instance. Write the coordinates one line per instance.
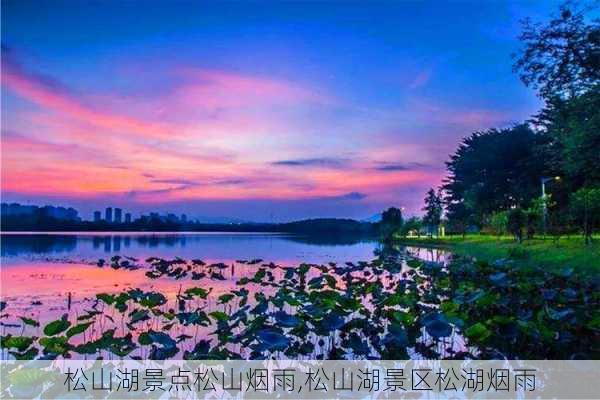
(111, 214)
(259, 113)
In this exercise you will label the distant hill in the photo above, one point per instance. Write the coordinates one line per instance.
(328, 226)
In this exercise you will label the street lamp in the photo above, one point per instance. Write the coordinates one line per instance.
(543, 180)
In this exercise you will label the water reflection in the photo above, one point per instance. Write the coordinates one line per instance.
(214, 246)
(14, 245)
(432, 254)
(71, 289)
(328, 240)
(395, 306)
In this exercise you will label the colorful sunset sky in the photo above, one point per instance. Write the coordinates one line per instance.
(257, 111)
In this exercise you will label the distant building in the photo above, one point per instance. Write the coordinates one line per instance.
(108, 216)
(118, 215)
(97, 216)
(183, 218)
(127, 218)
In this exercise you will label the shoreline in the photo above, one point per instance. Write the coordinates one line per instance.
(565, 252)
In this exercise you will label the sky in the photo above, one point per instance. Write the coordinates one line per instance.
(261, 111)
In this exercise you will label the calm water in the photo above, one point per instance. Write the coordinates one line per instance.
(214, 247)
(47, 267)
(45, 276)
(55, 265)
(203, 295)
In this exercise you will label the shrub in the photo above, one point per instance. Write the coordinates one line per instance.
(498, 223)
(516, 221)
(585, 206)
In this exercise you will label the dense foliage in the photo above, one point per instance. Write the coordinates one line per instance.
(561, 58)
(497, 170)
(391, 222)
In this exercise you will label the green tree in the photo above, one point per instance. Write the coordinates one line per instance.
(535, 215)
(516, 221)
(532, 224)
(391, 222)
(560, 58)
(460, 217)
(495, 170)
(572, 129)
(499, 223)
(433, 211)
(585, 204)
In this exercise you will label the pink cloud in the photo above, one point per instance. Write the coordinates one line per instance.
(48, 93)
(206, 108)
(213, 88)
(467, 118)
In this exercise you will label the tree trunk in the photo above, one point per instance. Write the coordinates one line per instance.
(586, 229)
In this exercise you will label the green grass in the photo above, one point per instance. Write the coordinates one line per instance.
(555, 254)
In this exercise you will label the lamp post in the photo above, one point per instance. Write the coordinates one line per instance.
(544, 204)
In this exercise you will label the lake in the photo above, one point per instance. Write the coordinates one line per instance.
(59, 263)
(216, 247)
(220, 295)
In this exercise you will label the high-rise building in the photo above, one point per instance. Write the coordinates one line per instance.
(127, 218)
(183, 218)
(97, 216)
(108, 214)
(118, 215)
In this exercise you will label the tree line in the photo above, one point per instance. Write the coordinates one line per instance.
(541, 176)
(40, 221)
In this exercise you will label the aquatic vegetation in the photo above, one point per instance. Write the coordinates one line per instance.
(394, 307)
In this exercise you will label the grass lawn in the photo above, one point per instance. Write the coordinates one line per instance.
(565, 252)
